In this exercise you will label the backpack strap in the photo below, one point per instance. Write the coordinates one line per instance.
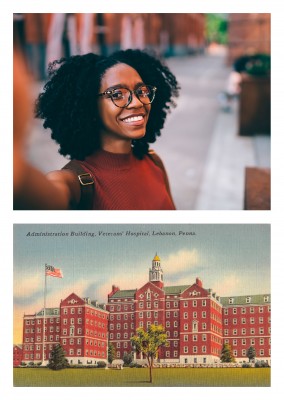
(156, 159)
(87, 185)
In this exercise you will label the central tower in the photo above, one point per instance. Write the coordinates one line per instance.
(156, 272)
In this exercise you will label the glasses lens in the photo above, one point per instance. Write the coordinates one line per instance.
(120, 96)
(146, 94)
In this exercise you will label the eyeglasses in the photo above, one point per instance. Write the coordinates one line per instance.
(122, 96)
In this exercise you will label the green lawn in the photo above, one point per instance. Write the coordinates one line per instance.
(139, 377)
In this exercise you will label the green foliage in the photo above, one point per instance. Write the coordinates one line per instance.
(57, 359)
(149, 342)
(101, 364)
(251, 353)
(127, 358)
(258, 64)
(216, 28)
(227, 354)
(111, 353)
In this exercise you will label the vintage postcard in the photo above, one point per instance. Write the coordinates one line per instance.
(142, 305)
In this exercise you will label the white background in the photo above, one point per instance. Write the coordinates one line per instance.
(8, 217)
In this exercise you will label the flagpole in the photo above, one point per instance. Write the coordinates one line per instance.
(44, 305)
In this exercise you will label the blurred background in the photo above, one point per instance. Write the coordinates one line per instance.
(216, 143)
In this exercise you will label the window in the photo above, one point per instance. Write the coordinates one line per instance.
(194, 349)
(234, 321)
(243, 310)
(252, 320)
(244, 352)
(204, 303)
(266, 299)
(252, 331)
(225, 311)
(204, 349)
(244, 331)
(72, 310)
(194, 338)
(204, 337)
(244, 342)
(175, 343)
(185, 349)
(261, 352)
(204, 326)
(261, 341)
(234, 311)
(141, 304)
(185, 327)
(251, 310)
(235, 342)
(226, 332)
(203, 314)
(243, 320)
(155, 304)
(175, 324)
(260, 309)
(65, 311)
(194, 303)
(185, 304)
(168, 324)
(231, 300)
(235, 332)
(252, 342)
(235, 353)
(194, 314)
(168, 304)
(185, 338)
(261, 320)
(175, 333)
(248, 299)
(261, 331)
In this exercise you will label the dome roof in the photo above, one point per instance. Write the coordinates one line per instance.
(156, 258)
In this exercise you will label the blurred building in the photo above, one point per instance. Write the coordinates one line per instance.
(46, 37)
(248, 34)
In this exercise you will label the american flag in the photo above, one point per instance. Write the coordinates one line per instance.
(55, 272)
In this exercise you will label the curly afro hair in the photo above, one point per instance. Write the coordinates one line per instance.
(69, 103)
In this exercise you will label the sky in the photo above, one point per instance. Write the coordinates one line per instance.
(230, 259)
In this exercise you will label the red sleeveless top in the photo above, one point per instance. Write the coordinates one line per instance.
(123, 182)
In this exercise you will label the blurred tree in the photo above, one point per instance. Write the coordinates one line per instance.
(217, 28)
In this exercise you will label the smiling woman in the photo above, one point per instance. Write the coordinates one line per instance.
(104, 112)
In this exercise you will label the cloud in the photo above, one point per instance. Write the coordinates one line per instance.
(181, 261)
(228, 286)
(27, 286)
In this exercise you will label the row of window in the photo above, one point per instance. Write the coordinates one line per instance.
(244, 310)
(250, 320)
(248, 299)
(243, 353)
(38, 330)
(38, 321)
(244, 331)
(252, 342)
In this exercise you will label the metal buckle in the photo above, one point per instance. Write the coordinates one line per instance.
(85, 183)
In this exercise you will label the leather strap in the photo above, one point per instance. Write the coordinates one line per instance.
(87, 185)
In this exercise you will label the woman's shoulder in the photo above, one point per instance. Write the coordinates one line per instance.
(155, 158)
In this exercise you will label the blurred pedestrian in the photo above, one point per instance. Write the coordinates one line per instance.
(104, 112)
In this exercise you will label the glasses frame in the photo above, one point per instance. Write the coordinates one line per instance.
(109, 92)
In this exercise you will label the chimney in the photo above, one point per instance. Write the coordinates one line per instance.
(199, 282)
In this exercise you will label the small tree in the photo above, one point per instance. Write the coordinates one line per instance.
(251, 353)
(111, 353)
(227, 354)
(149, 343)
(57, 358)
(127, 358)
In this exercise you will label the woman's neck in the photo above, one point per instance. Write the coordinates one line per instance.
(116, 146)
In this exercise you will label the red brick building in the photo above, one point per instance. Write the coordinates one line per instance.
(196, 320)
(79, 325)
(247, 322)
(17, 355)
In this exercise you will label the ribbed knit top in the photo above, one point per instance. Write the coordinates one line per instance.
(123, 182)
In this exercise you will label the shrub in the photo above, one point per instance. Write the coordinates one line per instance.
(246, 365)
(101, 364)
